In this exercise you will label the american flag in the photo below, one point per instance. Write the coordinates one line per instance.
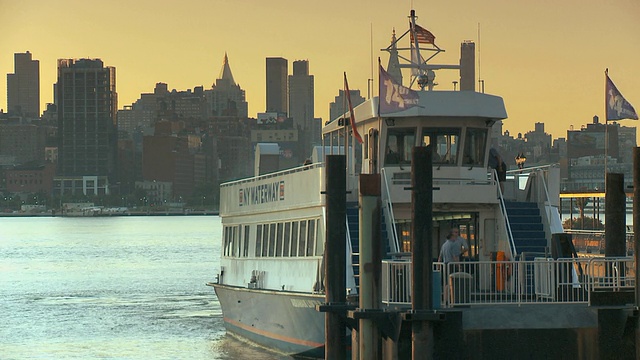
(423, 35)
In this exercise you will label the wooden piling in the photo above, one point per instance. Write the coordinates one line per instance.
(335, 255)
(615, 213)
(370, 295)
(421, 250)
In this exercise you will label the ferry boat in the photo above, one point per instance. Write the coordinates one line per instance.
(271, 276)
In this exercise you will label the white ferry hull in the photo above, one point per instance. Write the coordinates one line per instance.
(284, 321)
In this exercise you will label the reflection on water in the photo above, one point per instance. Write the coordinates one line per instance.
(113, 288)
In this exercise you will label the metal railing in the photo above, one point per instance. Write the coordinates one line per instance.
(503, 210)
(491, 283)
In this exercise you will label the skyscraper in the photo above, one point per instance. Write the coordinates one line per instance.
(226, 98)
(468, 66)
(301, 106)
(87, 135)
(277, 70)
(23, 86)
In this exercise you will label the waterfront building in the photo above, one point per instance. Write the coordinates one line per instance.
(25, 179)
(23, 87)
(596, 149)
(86, 100)
(24, 142)
(277, 71)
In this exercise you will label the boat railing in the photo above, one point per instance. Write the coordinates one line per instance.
(388, 213)
(593, 241)
(274, 174)
(522, 282)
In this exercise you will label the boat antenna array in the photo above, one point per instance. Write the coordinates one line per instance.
(422, 73)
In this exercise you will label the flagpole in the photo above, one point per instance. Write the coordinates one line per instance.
(606, 128)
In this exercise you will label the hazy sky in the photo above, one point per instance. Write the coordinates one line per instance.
(545, 58)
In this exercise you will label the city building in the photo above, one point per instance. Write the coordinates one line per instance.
(25, 179)
(596, 149)
(301, 107)
(226, 98)
(23, 87)
(277, 71)
(468, 66)
(339, 106)
(24, 142)
(87, 129)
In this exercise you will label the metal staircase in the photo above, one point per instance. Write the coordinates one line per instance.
(526, 228)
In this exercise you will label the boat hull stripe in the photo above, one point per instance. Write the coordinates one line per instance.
(272, 335)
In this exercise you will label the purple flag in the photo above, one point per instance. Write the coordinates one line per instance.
(393, 96)
(617, 107)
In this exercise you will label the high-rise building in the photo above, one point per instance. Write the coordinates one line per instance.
(226, 98)
(277, 71)
(468, 66)
(87, 129)
(23, 87)
(301, 107)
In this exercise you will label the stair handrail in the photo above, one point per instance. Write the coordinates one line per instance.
(503, 209)
(388, 208)
(547, 200)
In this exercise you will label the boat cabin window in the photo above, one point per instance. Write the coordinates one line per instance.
(474, 148)
(445, 143)
(400, 141)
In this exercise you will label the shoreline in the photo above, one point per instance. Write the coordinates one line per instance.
(129, 213)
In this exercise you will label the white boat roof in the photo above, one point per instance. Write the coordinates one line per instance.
(458, 104)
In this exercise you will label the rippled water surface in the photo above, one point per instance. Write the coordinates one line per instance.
(113, 288)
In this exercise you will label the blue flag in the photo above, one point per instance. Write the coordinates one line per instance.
(393, 96)
(617, 107)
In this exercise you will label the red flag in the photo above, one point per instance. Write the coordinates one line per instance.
(352, 117)
(423, 35)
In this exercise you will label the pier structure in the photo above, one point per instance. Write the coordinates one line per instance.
(562, 307)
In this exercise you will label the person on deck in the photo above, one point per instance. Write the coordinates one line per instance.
(460, 242)
(495, 162)
(450, 251)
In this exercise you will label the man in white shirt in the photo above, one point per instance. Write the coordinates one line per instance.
(460, 242)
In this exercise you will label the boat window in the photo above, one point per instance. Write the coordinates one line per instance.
(279, 240)
(287, 237)
(302, 238)
(311, 237)
(272, 239)
(245, 248)
(265, 240)
(474, 147)
(233, 241)
(294, 238)
(225, 248)
(400, 142)
(445, 143)
(258, 240)
(403, 229)
(319, 239)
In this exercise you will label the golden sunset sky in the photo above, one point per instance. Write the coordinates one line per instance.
(545, 58)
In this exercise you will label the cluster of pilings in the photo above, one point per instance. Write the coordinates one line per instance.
(376, 333)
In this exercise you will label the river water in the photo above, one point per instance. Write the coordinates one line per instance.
(130, 287)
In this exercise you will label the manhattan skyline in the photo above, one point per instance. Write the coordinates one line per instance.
(546, 60)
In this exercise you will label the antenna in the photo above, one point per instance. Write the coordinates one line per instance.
(370, 80)
(480, 81)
